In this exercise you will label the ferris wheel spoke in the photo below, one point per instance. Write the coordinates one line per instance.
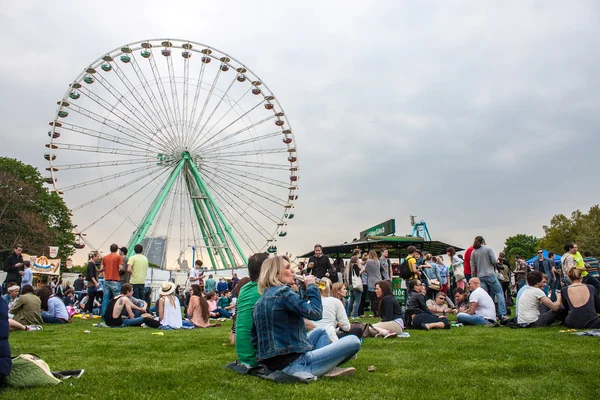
(136, 112)
(103, 164)
(196, 96)
(241, 163)
(105, 136)
(241, 142)
(186, 80)
(159, 113)
(174, 96)
(244, 153)
(107, 178)
(234, 134)
(248, 201)
(119, 188)
(105, 121)
(231, 107)
(246, 186)
(234, 122)
(247, 217)
(109, 108)
(255, 177)
(208, 97)
(119, 203)
(163, 97)
(106, 150)
(221, 98)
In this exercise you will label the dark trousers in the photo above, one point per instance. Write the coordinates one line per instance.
(590, 280)
(374, 303)
(139, 291)
(92, 294)
(426, 318)
(363, 300)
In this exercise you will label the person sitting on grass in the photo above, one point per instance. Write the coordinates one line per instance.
(439, 306)
(418, 314)
(222, 286)
(215, 311)
(481, 310)
(113, 315)
(390, 312)
(69, 298)
(532, 300)
(334, 321)
(247, 298)
(198, 309)
(12, 295)
(461, 298)
(28, 307)
(169, 310)
(582, 302)
(225, 302)
(54, 310)
(83, 307)
(279, 333)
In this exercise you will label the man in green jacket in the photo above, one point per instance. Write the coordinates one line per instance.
(245, 305)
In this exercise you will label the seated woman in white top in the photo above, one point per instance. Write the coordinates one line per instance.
(334, 321)
(169, 310)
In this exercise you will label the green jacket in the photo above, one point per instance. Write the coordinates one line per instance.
(27, 309)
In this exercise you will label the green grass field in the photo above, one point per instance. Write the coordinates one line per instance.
(468, 362)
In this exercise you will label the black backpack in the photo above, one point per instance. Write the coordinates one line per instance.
(404, 270)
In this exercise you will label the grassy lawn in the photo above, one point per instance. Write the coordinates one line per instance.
(468, 362)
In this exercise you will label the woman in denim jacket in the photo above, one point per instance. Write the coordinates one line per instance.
(279, 334)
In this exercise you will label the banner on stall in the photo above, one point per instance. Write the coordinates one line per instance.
(53, 251)
(43, 264)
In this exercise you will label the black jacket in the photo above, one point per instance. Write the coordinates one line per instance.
(390, 309)
(12, 272)
(322, 266)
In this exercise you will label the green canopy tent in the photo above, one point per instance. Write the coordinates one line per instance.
(396, 246)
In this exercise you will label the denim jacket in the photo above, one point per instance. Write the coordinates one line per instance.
(278, 326)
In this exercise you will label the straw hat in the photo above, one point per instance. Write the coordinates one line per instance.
(166, 288)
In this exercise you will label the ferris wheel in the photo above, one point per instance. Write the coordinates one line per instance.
(175, 139)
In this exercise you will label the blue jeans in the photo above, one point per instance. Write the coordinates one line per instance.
(321, 360)
(353, 303)
(111, 289)
(469, 319)
(51, 319)
(133, 321)
(491, 284)
(223, 313)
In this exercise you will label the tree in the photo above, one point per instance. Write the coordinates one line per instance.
(520, 244)
(29, 214)
(581, 228)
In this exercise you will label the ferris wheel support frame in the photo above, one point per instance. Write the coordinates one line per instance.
(210, 199)
(200, 216)
(220, 227)
(140, 233)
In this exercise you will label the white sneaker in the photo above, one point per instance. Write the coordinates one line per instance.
(341, 372)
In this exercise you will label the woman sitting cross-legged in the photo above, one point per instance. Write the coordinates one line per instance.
(198, 309)
(418, 314)
(582, 302)
(278, 331)
(54, 310)
(114, 311)
(169, 310)
(334, 321)
(390, 312)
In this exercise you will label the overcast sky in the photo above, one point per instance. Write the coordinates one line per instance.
(479, 117)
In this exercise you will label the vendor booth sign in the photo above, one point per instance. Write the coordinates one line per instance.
(53, 251)
(43, 265)
(383, 229)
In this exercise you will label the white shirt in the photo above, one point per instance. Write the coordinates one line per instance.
(333, 312)
(172, 315)
(485, 304)
(528, 305)
(194, 273)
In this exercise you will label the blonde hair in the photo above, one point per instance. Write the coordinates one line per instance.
(171, 299)
(574, 274)
(326, 291)
(373, 255)
(428, 257)
(269, 273)
(365, 257)
(335, 290)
